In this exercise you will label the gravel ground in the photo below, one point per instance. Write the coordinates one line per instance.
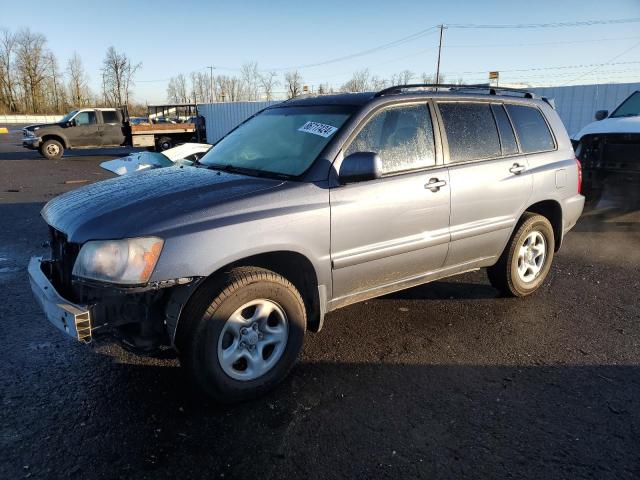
(441, 381)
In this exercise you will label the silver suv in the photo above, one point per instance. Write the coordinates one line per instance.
(308, 206)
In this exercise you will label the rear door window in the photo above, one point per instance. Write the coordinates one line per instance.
(471, 131)
(110, 116)
(507, 137)
(402, 137)
(532, 129)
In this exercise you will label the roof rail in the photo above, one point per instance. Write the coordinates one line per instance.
(396, 89)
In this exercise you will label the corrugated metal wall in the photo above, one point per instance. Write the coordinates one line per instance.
(577, 105)
(222, 117)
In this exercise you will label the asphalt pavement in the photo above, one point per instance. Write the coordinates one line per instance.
(446, 380)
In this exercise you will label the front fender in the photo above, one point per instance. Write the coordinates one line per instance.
(295, 220)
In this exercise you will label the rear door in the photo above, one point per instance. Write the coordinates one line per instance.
(490, 184)
(112, 128)
(87, 130)
(395, 228)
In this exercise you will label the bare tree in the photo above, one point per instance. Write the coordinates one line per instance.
(402, 78)
(250, 81)
(54, 86)
(7, 80)
(228, 89)
(77, 85)
(293, 84)
(201, 87)
(177, 91)
(118, 74)
(269, 82)
(31, 66)
(360, 82)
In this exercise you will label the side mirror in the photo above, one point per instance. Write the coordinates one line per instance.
(72, 122)
(601, 114)
(360, 167)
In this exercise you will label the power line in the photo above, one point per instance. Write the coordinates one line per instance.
(607, 63)
(585, 23)
(535, 44)
(558, 67)
(385, 46)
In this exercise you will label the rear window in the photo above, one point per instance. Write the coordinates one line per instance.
(110, 116)
(531, 128)
(471, 131)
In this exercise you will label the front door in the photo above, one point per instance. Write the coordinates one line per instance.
(393, 229)
(86, 132)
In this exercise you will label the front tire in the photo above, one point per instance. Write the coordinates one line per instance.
(527, 258)
(241, 333)
(51, 149)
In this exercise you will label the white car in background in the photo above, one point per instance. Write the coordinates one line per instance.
(185, 154)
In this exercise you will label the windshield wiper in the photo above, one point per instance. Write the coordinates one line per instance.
(627, 115)
(252, 172)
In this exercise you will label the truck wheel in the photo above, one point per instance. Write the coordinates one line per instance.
(51, 149)
(527, 258)
(165, 143)
(241, 333)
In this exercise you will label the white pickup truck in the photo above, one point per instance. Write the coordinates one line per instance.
(609, 150)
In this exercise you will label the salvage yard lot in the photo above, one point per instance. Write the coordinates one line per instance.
(443, 380)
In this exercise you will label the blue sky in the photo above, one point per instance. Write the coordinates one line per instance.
(171, 37)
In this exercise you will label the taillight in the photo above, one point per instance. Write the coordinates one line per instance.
(579, 175)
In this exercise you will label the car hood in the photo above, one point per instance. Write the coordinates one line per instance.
(40, 125)
(611, 125)
(136, 162)
(147, 203)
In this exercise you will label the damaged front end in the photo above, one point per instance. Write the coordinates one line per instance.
(611, 167)
(142, 317)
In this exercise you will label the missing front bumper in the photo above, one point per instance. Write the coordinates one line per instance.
(71, 319)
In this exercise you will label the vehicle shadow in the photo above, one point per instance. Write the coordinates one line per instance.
(354, 420)
(443, 290)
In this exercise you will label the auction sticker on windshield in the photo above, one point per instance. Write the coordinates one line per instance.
(316, 128)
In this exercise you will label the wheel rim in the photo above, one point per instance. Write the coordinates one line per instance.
(531, 256)
(165, 145)
(52, 149)
(253, 339)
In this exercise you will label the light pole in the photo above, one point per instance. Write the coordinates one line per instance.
(439, 52)
(211, 80)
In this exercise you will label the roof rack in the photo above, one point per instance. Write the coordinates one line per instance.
(491, 90)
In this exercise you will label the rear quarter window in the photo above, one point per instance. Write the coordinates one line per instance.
(471, 131)
(507, 137)
(531, 128)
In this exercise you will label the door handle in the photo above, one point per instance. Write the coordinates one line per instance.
(517, 168)
(434, 184)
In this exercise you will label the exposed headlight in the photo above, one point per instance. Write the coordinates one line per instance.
(130, 261)
(29, 133)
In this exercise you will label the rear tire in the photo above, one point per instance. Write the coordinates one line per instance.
(51, 149)
(164, 143)
(526, 260)
(226, 338)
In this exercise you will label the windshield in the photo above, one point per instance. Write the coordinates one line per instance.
(629, 108)
(283, 140)
(68, 116)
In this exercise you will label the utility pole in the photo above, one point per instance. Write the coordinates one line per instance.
(211, 78)
(439, 52)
